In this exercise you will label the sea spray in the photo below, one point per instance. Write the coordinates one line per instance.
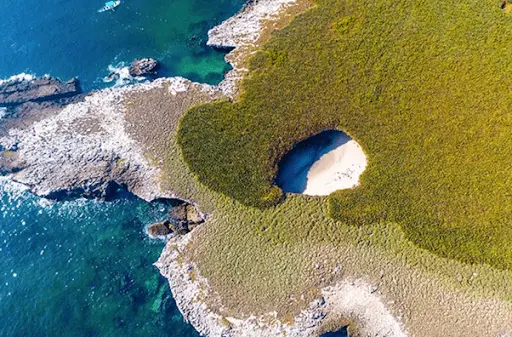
(18, 78)
(120, 75)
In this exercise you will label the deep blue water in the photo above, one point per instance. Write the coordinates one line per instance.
(84, 268)
(340, 333)
(295, 165)
(67, 38)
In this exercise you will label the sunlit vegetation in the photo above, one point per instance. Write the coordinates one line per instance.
(423, 86)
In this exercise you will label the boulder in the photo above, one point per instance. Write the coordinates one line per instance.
(143, 67)
(41, 89)
(178, 212)
(159, 229)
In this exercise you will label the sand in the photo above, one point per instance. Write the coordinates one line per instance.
(338, 169)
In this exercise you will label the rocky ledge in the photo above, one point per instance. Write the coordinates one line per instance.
(42, 89)
(349, 298)
(92, 147)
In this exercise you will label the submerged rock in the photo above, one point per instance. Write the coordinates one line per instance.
(42, 89)
(143, 67)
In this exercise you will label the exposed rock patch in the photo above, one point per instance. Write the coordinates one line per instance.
(87, 148)
(143, 67)
(346, 299)
(242, 33)
(182, 219)
(42, 89)
(185, 212)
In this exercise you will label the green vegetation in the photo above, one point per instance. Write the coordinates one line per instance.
(8, 154)
(424, 87)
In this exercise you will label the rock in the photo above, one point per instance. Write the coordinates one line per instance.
(143, 67)
(42, 89)
(180, 227)
(159, 229)
(178, 212)
(193, 215)
(185, 212)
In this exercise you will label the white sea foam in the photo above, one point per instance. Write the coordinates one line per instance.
(3, 112)
(18, 78)
(120, 73)
(11, 187)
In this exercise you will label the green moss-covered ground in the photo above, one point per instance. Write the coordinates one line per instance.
(424, 86)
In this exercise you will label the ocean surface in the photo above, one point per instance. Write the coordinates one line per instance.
(70, 38)
(84, 268)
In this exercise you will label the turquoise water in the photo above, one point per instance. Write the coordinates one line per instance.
(70, 38)
(82, 268)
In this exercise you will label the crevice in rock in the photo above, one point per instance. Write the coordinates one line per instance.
(182, 218)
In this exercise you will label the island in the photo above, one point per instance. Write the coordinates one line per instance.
(414, 239)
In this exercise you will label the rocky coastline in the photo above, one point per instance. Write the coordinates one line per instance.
(43, 89)
(92, 144)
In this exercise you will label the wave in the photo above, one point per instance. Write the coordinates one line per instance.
(18, 78)
(120, 73)
(3, 113)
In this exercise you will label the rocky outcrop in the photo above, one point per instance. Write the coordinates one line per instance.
(85, 148)
(242, 33)
(143, 67)
(245, 27)
(183, 218)
(185, 212)
(42, 89)
(349, 298)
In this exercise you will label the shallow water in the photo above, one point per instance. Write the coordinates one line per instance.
(339, 333)
(82, 268)
(295, 165)
(70, 38)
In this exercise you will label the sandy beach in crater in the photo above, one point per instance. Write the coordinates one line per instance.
(338, 169)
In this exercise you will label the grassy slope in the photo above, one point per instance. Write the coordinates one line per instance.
(265, 260)
(424, 87)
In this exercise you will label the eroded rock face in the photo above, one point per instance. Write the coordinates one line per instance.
(144, 67)
(182, 219)
(89, 147)
(185, 212)
(42, 89)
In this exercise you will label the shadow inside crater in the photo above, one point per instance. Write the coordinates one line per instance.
(295, 165)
